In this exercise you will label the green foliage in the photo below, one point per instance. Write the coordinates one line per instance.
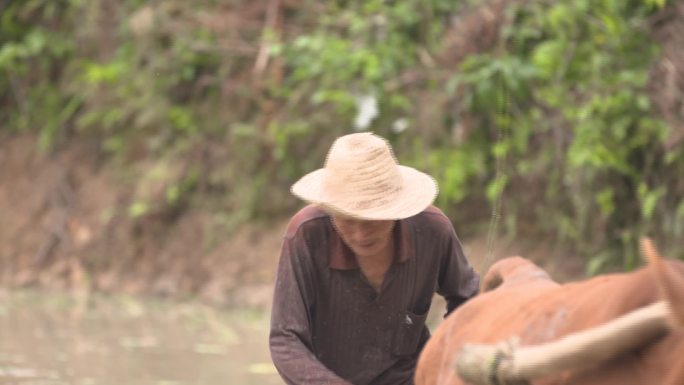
(362, 48)
(553, 118)
(581, 123)
(31, 59)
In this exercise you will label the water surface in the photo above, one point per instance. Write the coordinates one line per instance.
(95, 340)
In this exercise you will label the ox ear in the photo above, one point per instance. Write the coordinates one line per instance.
(669, 281)
(491, 281)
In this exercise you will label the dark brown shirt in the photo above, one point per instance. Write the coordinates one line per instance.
(329, 326)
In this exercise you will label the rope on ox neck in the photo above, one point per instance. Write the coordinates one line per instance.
(503, 356)
(498, 361)
(493, 368)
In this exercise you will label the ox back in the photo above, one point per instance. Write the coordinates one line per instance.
(520, 299)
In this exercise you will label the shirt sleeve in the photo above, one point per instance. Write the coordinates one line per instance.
(458, 281)
(290, 335)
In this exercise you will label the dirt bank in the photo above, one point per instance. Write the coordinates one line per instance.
(66, 224)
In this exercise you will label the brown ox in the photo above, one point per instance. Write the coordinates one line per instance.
(519, 299)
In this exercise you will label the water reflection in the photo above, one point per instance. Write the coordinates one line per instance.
(58, 339)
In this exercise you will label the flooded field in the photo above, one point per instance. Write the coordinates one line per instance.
(59, 339)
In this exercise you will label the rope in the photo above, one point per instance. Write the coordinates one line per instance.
(503, 104)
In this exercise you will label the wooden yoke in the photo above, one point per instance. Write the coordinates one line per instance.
(508, 364)
(493, 365)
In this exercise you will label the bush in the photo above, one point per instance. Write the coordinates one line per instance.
(542, 115)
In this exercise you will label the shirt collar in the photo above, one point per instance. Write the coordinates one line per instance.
(342, 257)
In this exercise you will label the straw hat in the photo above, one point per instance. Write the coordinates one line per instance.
(362, 179)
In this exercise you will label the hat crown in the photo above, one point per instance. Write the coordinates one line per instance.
(362, 179)
(362, 171)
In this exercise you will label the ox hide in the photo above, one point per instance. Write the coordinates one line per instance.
(519, 299)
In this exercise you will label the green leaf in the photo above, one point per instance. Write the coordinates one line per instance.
(649, 200)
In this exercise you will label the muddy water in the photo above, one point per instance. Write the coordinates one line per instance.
(59, 339)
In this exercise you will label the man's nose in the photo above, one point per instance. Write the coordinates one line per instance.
(360, 229)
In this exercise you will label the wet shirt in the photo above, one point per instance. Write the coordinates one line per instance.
(329, 326)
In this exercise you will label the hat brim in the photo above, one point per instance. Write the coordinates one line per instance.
(418, 192)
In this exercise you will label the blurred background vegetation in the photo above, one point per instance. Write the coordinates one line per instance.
(560, 121)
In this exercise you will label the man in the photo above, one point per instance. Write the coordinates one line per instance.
(358, 269)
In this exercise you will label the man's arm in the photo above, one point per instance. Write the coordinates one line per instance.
(290, 337)
(458, 281)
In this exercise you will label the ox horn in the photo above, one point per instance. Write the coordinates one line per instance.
(496, 365)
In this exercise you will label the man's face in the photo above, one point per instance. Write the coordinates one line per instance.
(364, 237)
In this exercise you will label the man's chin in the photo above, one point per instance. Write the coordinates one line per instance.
(365, 252)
